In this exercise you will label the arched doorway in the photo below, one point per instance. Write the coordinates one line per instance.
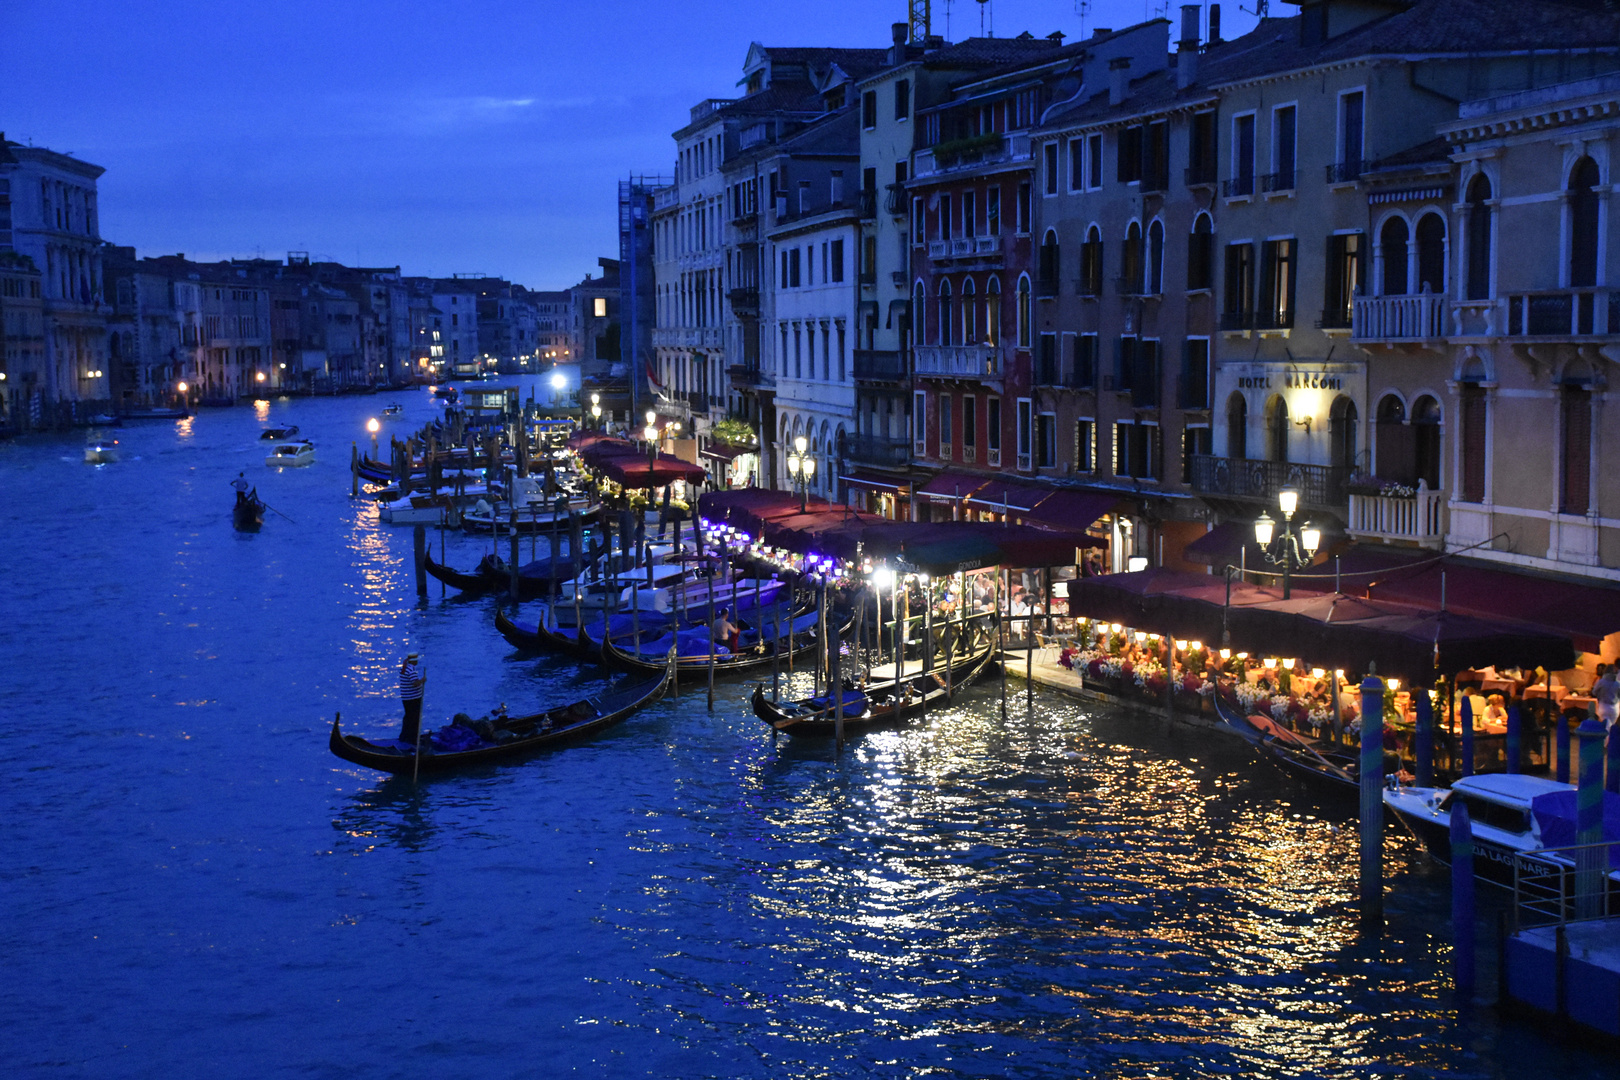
(1277, 429)
(1237, 427)
(1343, 435)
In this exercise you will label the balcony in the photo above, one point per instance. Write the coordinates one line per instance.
(885, 365)
(747, 377)
(868, 204)
(1278, 182)
(1335, 318)
(1238, 187)
(1419, 518)
(879, 450)
(958, 361)
(1320, 486)
(964, 247)
(1565, 313)
(1345, 172)
(1420, 317)
(896, 202)
(744, 300)
(972, 152)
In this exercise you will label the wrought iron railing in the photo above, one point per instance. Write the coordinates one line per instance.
(1247, 478)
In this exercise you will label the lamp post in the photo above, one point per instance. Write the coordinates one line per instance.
(652, 438)
(1295, 545)
(596, 410)
(373, 426)
(801, 467)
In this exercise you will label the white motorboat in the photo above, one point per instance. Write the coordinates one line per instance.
(291, 453)
(1512, 816)
(429, 509)
(536, 510)
(101, 451)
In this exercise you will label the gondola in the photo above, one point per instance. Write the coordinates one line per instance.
(1324, 766)
(871, 707)
(544, 635)
(476, 582)
(248, 514)
(535, 579)
(693, 662)
(460, 745)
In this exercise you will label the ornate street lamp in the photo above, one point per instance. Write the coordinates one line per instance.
(1295, 547)
(801, 467)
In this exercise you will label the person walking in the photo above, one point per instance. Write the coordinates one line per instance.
(412, 683)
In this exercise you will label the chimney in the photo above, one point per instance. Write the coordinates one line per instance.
(1119, 79)
(898, 32)
(1102, 31)
(1187, 47)
(1214, 24)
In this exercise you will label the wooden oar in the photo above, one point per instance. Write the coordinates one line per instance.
(273, 510)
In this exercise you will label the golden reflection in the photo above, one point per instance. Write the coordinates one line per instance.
(261, 408)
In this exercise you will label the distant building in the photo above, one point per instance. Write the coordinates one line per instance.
(22, 341)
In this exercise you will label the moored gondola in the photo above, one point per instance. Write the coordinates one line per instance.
(466, 743)
(874, 706)
(797, 641)
(544, 635)
(535, 579)
(1323, 765)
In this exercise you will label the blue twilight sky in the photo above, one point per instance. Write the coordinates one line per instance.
(444, 137)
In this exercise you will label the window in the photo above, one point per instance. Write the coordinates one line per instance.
(1083, 449)
(1131, 279)
(1239, 285)
(1392, 254)
(1156, 157)
(1045, 441)
(1201, 149)
(835, 186)
(793, 268)
(1083, 370)
(919, 422)
(1077, 164)
(837, 265)
(1124, 361)
(945, 312)
(869, 109)
(1392, 439)
(992, 429)
(1046, 361)
(946, 224)
(1277, 429)
(902, 100)
(1474, 416)
(1047, 266)
(1128, 155)
(1193, 388)
(1283, 135)
(1350, 136)
(1195, 441)
(944, 425)
(970, 213)
(1094, 161)
(1024, 313)
(1025, 422)
(970, 313)
(1237, 427)
(969, 434)
(1583, 223)
(1426, 442)
(1136, 450)
(1155, 261)
(992, 211)
(1201, 254)
(1575, 474)
(1342, 282)
(1431, 253)
(992, 312)
(1049, 166)
(1021, 224)
(1091, 263)
(1242, 182)
(869, 258)
(1343, 432)
(1277, 282)
(1479, 238)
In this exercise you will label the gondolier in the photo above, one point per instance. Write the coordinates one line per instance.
(241, 486)
(412, 682)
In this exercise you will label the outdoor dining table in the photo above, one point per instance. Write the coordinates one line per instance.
(1497, 686)
(1539, 690)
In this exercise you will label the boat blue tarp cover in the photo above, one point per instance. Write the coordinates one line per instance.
(854, 702)
(1555, 816)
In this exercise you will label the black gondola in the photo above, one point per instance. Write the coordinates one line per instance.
(248, 513)
(535, 579)
(502, 739)
(544, 635)
(1326, 766)
(751, 657)
(876, 706)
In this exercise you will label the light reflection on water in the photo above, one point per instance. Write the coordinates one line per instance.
(195, 886)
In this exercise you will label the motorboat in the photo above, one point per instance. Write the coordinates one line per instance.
(1512, 816)
(291, 453)
(100, 450)
(279, 434)
(393, 412)
(428, 509)
(536, 510)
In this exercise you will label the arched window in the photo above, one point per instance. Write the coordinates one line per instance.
(1201, 254)
(1431, 253)
(1392, 440)
(1277, 429)
(992, 311)
(1131, 259)
(919, 313)
(1479, 238)
(1392, 250)
(1049, 265)
(1343, 438)
(1237, 427)
(1426, 441)
(945, 311)
(970, 313)
(1024, 314)
(1156, 257)
(1583, 223)
(1091, 263)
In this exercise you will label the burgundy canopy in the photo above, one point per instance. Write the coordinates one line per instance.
(953, 485)
(638, 472)
(580, 440)
(608, 447)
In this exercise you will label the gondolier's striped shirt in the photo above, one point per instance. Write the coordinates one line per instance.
(410, 681)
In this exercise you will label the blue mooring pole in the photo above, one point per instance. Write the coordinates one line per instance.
(1589, 863)
(1563, 743)
(1612, 781)
(1515, 736)
(1425, 738)
(1467, 720)
(1372, 802)
(1462, 899)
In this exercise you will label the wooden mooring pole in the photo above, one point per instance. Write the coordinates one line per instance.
(1372, 803)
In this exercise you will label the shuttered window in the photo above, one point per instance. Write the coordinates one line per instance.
(1576, 479)
(1473, 444)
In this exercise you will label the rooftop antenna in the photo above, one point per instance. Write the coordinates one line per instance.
(987, 19)
(947, 20)
(1262, 9)
(1082, 8)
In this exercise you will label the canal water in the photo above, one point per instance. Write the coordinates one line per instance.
(194, 886)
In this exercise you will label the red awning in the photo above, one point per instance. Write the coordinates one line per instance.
(638, 472)
(871, 480)
(951, 485)
(1586, 613)
(1073, 509)
(1014, 498)
(1224, 545)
